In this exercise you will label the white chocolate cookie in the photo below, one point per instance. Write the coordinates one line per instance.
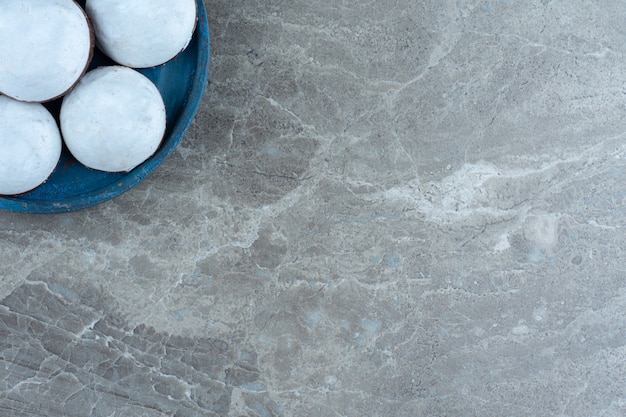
(30, 145)
(45, 47)
(113, 120)
(142, 33)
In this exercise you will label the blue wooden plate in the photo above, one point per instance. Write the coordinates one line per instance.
(73, 186)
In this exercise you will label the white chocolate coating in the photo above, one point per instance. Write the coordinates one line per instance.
(113, 120)
(30, 145)
(142, 33)
(45, 48)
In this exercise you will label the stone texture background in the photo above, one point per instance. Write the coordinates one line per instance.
(391, 208)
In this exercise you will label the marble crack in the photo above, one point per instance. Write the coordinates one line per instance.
(278, 105)
(266, 175)
(102, 358)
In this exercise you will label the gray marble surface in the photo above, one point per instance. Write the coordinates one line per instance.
(390, 208)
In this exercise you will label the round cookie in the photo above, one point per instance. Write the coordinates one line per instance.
(30, 145)
(113, 120)
(142, 33)
(46, 47)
